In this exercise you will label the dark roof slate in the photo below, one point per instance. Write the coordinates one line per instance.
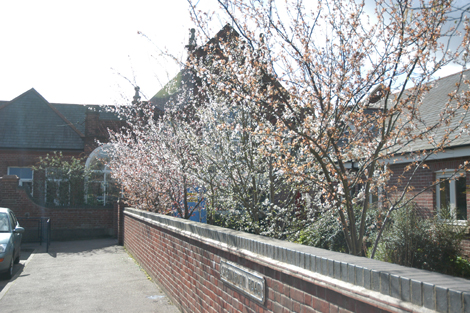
(75, 114)
(30, 122)
(434, 105)
(175, 92)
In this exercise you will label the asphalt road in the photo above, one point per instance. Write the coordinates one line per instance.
(81, 276)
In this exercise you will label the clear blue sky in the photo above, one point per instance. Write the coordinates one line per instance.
(79, 51)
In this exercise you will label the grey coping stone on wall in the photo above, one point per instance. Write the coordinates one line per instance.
(428, 296)
(331, 268)
(295, 257)
(455, 301)
(278, 253)
(324, 266)
(337, 269)
(359, 271)
(375, 282)
(385, 283)
(306, 258)
(290, 257)
(263, 249)
(416, 292)
(270, 251)
(405, 286)
(344, 271)
(352, 273)
(466, 302)
(284, 255)
(301, 259)
(241, 243)
(244, 243)
(318, 264)
(395, 286)
(238, 242)
(311, 262)
(442, 302)
(367, 278)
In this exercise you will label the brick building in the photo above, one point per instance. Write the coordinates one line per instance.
(31, 127)
(446, 166)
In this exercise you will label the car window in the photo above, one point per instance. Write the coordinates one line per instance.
(4, 222)
(14, 222)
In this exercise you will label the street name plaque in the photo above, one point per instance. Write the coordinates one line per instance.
(243, 279)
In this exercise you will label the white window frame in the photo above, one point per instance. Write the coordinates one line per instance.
(106, 172)
(451, 175)
(24, 180)
(379, 198)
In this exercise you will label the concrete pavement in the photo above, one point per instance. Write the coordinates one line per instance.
(81, 276)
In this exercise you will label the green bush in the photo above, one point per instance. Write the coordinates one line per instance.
(274, 222)
(432, 244)
(327, 232)
(237, 219)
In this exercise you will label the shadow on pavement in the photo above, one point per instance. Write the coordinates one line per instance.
(84, 248)
(80, 247)
(17, 269)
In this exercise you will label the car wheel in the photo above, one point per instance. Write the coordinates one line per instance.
(9, 274)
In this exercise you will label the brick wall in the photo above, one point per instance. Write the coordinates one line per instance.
(67, 223)
(17, 158)
(97, 128)
(184, 258)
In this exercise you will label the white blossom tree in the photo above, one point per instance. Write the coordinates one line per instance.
(337, 87)
(235, 172)
(152, 163)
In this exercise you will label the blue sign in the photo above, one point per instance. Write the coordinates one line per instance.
(200, 213)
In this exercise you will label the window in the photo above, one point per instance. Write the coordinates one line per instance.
(14, 221)
(57, 187)
(25, 174)
(375, 196)
(101, 188)
(451, 194)
(374, 199)
(4, 222)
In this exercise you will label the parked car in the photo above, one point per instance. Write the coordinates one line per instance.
(10, 241)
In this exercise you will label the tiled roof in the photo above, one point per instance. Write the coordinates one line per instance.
(434, 105)
(75, 114)
(170, 94)
(30, 122)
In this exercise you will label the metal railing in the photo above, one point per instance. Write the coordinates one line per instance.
(48, 233)
(43, 227)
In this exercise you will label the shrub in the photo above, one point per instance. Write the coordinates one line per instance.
(432, 244)
(274, 222)
(327, 232)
